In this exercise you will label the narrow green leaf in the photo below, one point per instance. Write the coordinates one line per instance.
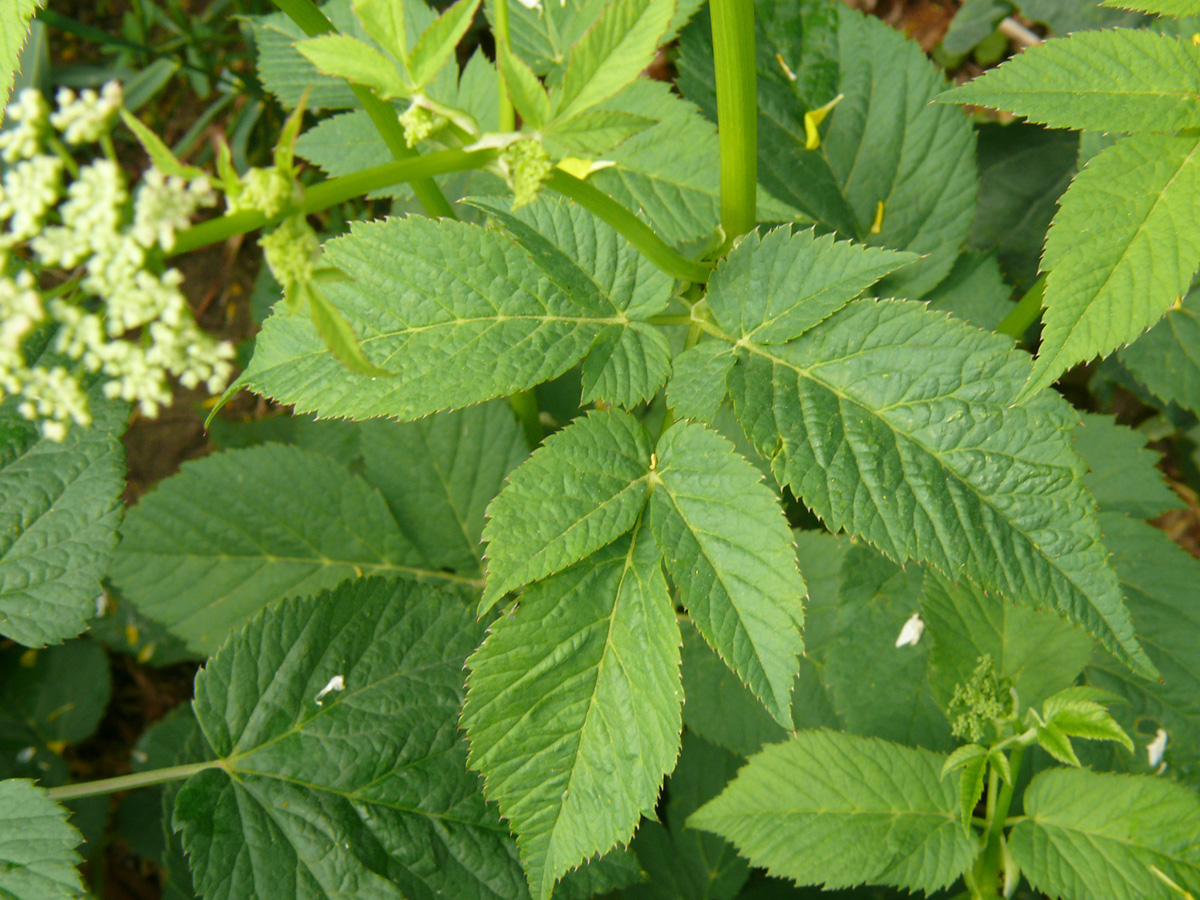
(524, 89)
(231, 532)
(900, 425)
(611, 54)
(160, 154)
(774, 287)
(1091, 835)
(697, 386)
(436, 45)
(298, 810)
(1122, 80)
(1123, 474)
(15, 22)
(729, 551)
(342, 56)
(1054, 741)
(836, 810)
(573, 708)
(1122, 249)
(581, 490)
(37, 846)
(58, 521)
(970, 787)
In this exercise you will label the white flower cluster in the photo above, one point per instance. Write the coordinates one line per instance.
(117, 316)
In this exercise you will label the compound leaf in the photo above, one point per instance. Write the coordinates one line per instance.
(729, 551)
(838, 810)
(58, 521)
(1117, 80)
(774, 287)
(581, 490)
(1121, 251)
(37, 846)
(233, 531)
(573, 708)
(900, 425)
(1087, 834)
(341, 770)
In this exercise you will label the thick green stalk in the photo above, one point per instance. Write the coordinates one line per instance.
(990, 863)
(1025, 313)
(629, 226)
(128, 782)
(332, 192)
(313, 22)
(737, 113)
(508, 118)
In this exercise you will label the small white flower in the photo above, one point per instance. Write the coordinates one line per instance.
(23, 140)
(87, 118)
(1157, 747)
(26, 755)
(336, 683)
(911, 632)
(165, 205)
(30, 189)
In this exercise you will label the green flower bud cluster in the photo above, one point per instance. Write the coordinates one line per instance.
(268, 191)
(979, 702)
(291, 251)
(526, 165)
(419, 123)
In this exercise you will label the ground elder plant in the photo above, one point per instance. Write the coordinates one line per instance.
(667, 506)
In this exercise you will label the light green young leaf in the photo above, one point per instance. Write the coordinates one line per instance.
(462, 312)
(1084, 719)
(1091, 835)
(342, 56)
(729, 551)
(1123, 474)
(15, 22)
(383, 20)
(772, 288)
(837, 810)
(598, 131)
(882, 144)
(435, 47)
(231, 532)
(297, 810)
(160, 154)
(697, 386)
(1121, 251)
(58, 521)
(1164, 359)
(37, 846)
(524, 89)
(1122, 80)
(581, 490)
(970, 787)
(1176, 8)
(1057, 743)
(573, 707)
(1038, 652)
(611, 54)
(922, 450)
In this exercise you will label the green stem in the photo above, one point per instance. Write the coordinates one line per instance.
(629, 226)
(737, 113)
(1026, 312)
(313, 22)
(508, 118)
(987, 868)
(128, 782)
(332, 192)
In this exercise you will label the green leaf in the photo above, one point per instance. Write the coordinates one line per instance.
(598, 131)
(211, 546)
(974, 291)
(879, 689)
(882, 143)
(1123, 80)
(1075, 15)
(383, 20)
(581, 490)
(970, 787)
(15, 21)
(160, 154)
(362, 790)
(37, 846)
(611, 53)
(435, 47)
(464, 313)
(1177, 8)
(1090, 835)
(56, 694)
(697, 386)
(1122, 249)
(337, 333)
(58, 521)
(973, 23)
(573, 708)
(342, 56)
(773, 288)
(1055, 741)
(899, 425)
(626, 366)
(1084, 719)
(729, 551)
(524, 89)
(439, 474)
(837, 810)
(1038, 652)
(1165, 360)
(1159, 580)
(1123, 474)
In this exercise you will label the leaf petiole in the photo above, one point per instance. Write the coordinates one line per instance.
(128, 782)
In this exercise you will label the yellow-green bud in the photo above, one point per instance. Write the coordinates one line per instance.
(527, 165)
(419, 123)
(291, 251)
(268, 191)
